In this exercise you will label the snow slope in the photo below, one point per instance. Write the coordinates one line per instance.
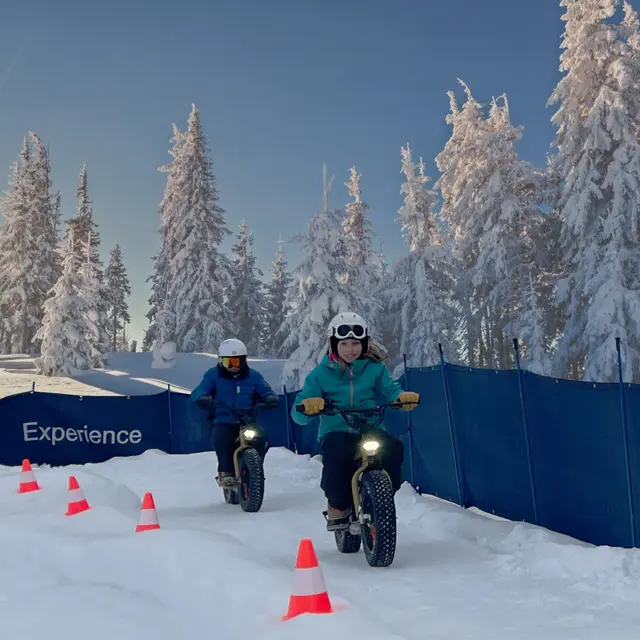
(213, 571)
(127, 374)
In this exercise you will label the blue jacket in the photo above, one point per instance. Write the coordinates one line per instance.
(240, 393)
(363, 384)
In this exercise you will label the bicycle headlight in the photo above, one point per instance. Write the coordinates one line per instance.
(249, 434)
(371, 446)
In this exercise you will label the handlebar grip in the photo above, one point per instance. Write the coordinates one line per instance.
(300, 408)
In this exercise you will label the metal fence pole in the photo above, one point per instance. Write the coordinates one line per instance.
(450, 417)
(291, 444)
(409, 426)
(625, 433)
(171, 442)
(526, 432)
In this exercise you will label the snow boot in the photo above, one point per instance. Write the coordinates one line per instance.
(337, 519)
(226, 480)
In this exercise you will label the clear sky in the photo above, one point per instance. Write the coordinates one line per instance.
(282, 86)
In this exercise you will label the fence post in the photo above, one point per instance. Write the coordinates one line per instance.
(625, 433)
(526, 433)
(450, 418)
(291, 444)
(409, 426)
(171, 443)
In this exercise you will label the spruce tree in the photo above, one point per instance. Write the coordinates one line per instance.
(245, 295)
(191, 275)
(598, 144)
(276, 306)
(118, 288)
(64, 334)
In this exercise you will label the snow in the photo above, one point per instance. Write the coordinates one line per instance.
(214, 571)
(127, 374)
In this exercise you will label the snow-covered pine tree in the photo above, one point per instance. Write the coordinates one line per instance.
(360, 261)
(491, 205)
(83, 223)
(159, 306)
(26, 246)
(46, 213)
(192, 275)
(506, 203)
(94, 295)
(246, 299)
(419, 296)
(276, 306)
(316, 296)
(386, 318)
(123, 341)
(599, 150)
(358, 235)
(456, 163)
(118, 288)
(64, 333)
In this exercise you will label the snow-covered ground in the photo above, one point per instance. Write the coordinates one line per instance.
(212, 571)
(127, 374)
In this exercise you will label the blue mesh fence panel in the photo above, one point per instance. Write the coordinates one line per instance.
(305, 436)
(190, 427)
(578, 458)
(632, 402)
(433, 459)
(576, 437)
(488, 426)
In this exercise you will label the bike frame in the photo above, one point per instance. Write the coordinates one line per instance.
(366, 459)
(242, 415)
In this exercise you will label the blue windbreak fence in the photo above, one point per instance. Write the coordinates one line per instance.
(558, 453)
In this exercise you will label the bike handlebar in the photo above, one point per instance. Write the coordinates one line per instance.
(331, 409)
(212, 403)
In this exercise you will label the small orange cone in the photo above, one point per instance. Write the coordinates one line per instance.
(148, 515)
(77, 502)
(28, 480)
(309, 594)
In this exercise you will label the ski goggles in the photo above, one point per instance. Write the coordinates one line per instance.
(230, 363)
(345, 331)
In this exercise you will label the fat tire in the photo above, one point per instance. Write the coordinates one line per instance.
(375, 484)
(251, 462)
(347, 542)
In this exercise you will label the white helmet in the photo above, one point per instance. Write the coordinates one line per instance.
(232, 347)
(348, 325)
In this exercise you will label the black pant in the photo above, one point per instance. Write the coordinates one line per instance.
(224, 440)
(338, 450)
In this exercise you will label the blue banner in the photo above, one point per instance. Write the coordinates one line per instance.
(58, 429)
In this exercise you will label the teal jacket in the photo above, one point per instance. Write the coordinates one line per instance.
(364, 384)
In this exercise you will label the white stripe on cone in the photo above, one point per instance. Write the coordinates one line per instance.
(308, 582)
(148, 516)
(27, 476)
(76, 495)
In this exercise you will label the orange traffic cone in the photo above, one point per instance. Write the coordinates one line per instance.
(77, 502)
(309, 594)
(148, 515)
(28, 480)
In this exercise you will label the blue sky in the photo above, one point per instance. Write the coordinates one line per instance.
(282, 87)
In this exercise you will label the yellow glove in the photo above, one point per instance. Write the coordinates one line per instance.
(313, 406)
(409, 396)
